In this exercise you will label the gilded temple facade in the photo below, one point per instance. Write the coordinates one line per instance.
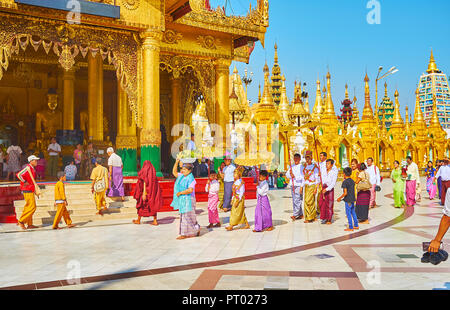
(122, 72)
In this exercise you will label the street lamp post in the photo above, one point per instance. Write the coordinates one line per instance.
(390, 72)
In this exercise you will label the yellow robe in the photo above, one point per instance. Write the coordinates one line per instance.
(60, 194)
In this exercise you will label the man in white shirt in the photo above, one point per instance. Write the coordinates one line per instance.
(444, 174)
(295, 174)
(115, 175)
(54, 149)
(412, 181)
(311, 184)
(227, 175)
(443, 226)
(375, 180)
(329, 183)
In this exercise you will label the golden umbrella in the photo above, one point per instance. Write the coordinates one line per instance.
(286, 129)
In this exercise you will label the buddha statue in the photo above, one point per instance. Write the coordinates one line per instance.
(50, 120)
(84, 125)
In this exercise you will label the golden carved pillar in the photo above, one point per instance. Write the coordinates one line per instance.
(151, 133)
(176, 104)
(222, 67)
(68, 99)
(95, 97)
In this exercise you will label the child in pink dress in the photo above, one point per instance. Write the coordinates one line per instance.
(213, 187)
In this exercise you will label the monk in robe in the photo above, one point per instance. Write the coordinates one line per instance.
(115, 175)
(148, 194)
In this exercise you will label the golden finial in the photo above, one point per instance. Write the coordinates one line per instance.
(432, 67)
(317, 109)
(346, 92)
(329, 106)
(385, 90)
(235, 71)
(276, 53)
(367, 111)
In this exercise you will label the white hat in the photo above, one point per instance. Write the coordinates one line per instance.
(110, 150)
(32, 157)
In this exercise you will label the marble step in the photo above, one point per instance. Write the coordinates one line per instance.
(19, 205)
(40, 213)
(77, 219)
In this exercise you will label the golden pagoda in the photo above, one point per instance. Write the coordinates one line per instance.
(138, 64)
(317, 109)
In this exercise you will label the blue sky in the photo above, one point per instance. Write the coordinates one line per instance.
(312, 35)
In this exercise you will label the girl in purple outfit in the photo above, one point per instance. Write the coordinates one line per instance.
(263, 212)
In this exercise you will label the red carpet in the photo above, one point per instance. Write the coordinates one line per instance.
(11, 192)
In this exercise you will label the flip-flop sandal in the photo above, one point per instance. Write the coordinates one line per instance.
(444, 255)
(436, 258)
(426, 257)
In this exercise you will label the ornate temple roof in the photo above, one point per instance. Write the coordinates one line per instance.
(368, 111)
(397, 120)
(284, 107)
(276, 79)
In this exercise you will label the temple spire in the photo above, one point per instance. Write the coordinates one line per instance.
(432, 67)
(434, 119)
(276, 78)
(284, 106)
(346, 92)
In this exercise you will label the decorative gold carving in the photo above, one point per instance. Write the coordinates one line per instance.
(151, 137)
(118, 47)
(126, 142)
(208, 42)
(172, 37)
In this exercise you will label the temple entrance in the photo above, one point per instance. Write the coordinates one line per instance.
(33, 103)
